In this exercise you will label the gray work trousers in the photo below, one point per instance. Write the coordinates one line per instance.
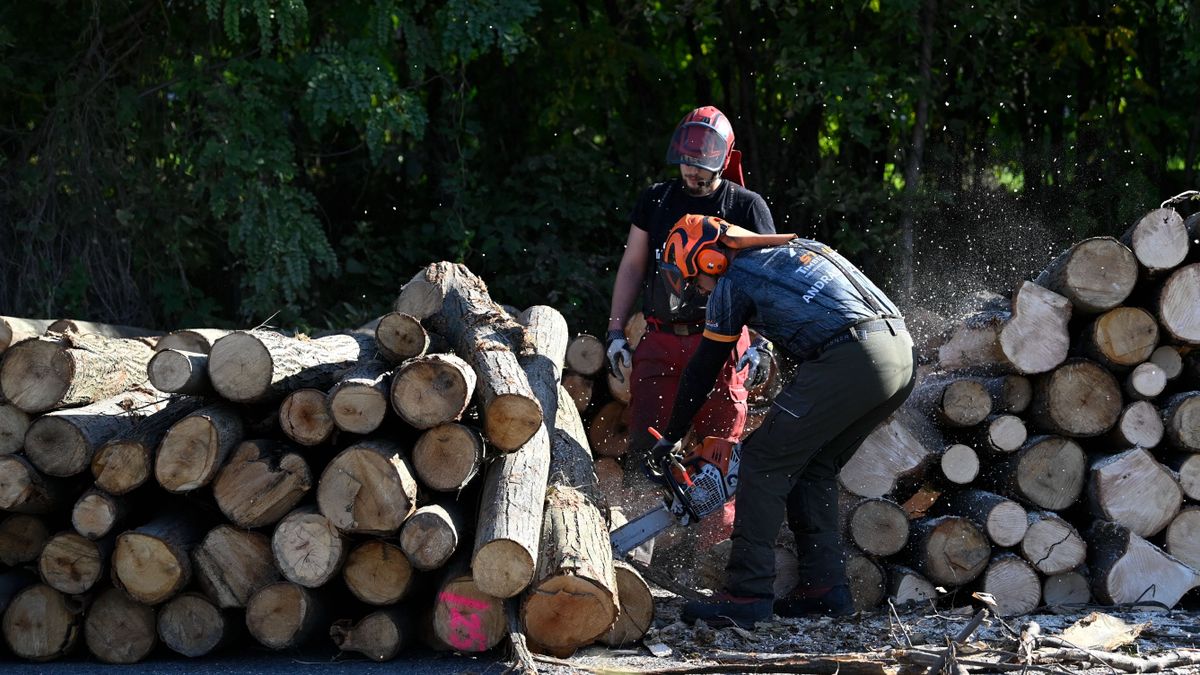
(790, 463)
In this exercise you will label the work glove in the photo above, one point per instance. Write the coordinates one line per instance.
(755, 358)
(618, 349)
(655, 463)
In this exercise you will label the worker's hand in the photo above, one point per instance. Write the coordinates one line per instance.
(754, 358)
(655, 463)
(618, 349)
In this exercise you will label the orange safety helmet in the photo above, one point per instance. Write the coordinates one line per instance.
(703, 138)
(693, 247)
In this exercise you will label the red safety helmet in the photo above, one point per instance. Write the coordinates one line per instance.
(704, 138)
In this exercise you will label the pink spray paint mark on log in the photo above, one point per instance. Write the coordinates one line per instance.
(466, 630)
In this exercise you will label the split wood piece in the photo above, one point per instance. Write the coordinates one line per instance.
(1035, 339)
(24, 489)
(22, 538)
(14, 423)
(103, 329)
(400, 337)
(579, 388)
(1145, 381)
(119, 630)
(195, 340)
(1095, 274)
(1003, 520)
(1014, 584)
(465, 617)
(1181, 420)
(72, 564)
(42, 624)
(1010, 393)
(1159, 240)
(195, 447)
(456, 304)
(447, 457)
(960, 464)
(878, 526)
(1178, 305)
(1051, 544)
(573, 599)
(1121, 338)
(637, 607)
(585, 355)
(433, 389)
(1186, 465)
(1182, 538)
(261, 365)
(307, 548)
(891, 460)
(359, 401)
(618, 387)
(431, 535)
(1169, 359)
(907, 587)
(153, 562)
(974, 344)
(1069, 589)
(378, 572)
(368, 488)
(178, 372)
(64, 371)
(283, 615)
(13, 330)
(1080, 398)
(956, 402)
(866, 579)
(608, 433)
(191, 625)
(949, 550)
(230, 564)
(380, 635)
(1127, 569)
(1140, 424)
(1132, 489)
(96, 513)
(64, 442)
(306, 418)
(635, 329)
(1001, 433)
(126, 462)
(1048, 472)
(262, 481)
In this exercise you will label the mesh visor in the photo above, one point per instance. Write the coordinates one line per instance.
(698, 145)
(676, 283)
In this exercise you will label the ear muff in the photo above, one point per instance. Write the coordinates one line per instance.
(711, 261)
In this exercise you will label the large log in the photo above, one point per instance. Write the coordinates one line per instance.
(949, 550)
(178, 372)
(71, 563)
(359, 401)
(69, 370)
(1014, 584)
(1121, 338)
(1035, 338)
(378, 572)
(1003, 520)
(608, 433)
(1182, 539)
(42, 624)
(1178, 305)
(126, 462)
(892, 459)
(14, 329)
(906, 587)
(152, 563)
(954, 401)
(447, 457)
(974, 344)
(195, 340)
(379, 636)
(1181, 421)
(1051, 544)
(465, 617)
(283, 615)
(14, 422)
(1132, 489)
(1080, 398)
(119, 630)
(433, 389)
(260, 365)
(637, 607)
(1159, 240)
(585, 355)
(63, 442)
(1095, 274)
(431, 535)
(190, 624)
(97, 513)
(1048, 472)
(23, 489)
(260, 483)
(571, 462)
(456, 304)
(305, 417)
(307, 548)
(195, 447)
(1127, 569)
(103, 329)
(230, 564)
(877, 526)
(368, 488)
(22, 538)
(1068, 589)
(1186, 465)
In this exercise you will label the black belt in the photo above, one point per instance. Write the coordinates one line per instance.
(859, 331)
(676, 328)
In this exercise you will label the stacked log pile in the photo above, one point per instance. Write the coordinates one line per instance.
(414, 482)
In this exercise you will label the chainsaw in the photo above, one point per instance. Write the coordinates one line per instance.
(695, 485)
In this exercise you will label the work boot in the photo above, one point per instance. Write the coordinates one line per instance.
(723, 609)
(835, 601)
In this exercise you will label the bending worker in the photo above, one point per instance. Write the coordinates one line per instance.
(856, 368)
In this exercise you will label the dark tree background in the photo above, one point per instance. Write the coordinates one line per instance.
(187, 163)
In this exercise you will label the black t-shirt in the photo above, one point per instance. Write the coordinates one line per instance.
(657, 210)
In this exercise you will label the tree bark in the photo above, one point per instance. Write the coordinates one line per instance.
(1127, 569)
(152, 563)
(949, 550)
(97, 513)
(368, 488)
(22, 538)
(379, 636)
(13, 330)
(1181, 420)
(585, 355)
(1158, 240)
(447, 457)
(192, 625)
(1014, 584)
(878, 526)
(72, 564)
(431, 535)
(359, 401)
(636, 604)
(1095, 274)
(306, 418)
(70, 370)
(1035, 338)
(1051, 544)
(119, 630)
(261, 483)
(231, 564)
(1132, 489)
(262, 365)
(283, 615)
(42, 624)
(178, 372)
(102, 329)
(195, 447)
(1001, 519)
(378, 572)
(23, 489)
(63, 442)
(195, 340)
(1178, 305)
(14, 423)
(1080, 398)
(1121, 338)
(307, 548)
(1048, 472)
(434, 389)
(126, 462)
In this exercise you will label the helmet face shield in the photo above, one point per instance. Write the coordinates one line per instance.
(698, 144)
(680, 290)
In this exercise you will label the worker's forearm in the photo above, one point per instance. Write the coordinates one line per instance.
(625, 292)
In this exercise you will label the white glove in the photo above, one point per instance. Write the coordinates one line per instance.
(752, 359)
(618, 348)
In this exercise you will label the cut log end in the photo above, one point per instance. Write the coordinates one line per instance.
(121, 466)
(148, 568)
(35, 375)
(240, 367)
(306, 418)
(118, 630)
(448, 456)
(568, 611)
(191, 625)
(378, 573)
(503, 568)
(281, 615)
(637, 607)
(510, 420)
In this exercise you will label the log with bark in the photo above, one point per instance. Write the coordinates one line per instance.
(949, 550)
(447, 457)
(1000, 434)
(1181, 421)
(907, 587)
(431, 535)
(1051, 544)
(70, 370)
(152, 563)
(1182, 538)
(1186, 465)
(22, 538)
(1048, 472)
(24, 489)
(867, 581)
(102, 329)
(1132, 489)
(380, 635)
(974, 344)
(14, 329)
(307, 548)
(585, 355)
(1159, 240)
(230, 564)
(1079, 398)
(126, 462)
(877, 526)
(191, 625)
(1169, 359)
(891, 460)
(96, 513)
(261, 365)
(579, 388)
(14, 423)
(306, 418)
(1068, 589)
(1014, 584)
(954, 401)
(433, 389)
(194, 340)
(465, 617)
(119, 630)
(1121, 338)
(262, 481)
(1095, 274)
(72, 564)
(359, 401)
(63, 442)
(1145, 381)
(368, 488)
(195, 447)
(608, 433)
(400, 337)
(1010, 393)
(179, 372)
(1127, 569)
(283, 615)
(1035, 338)
(1178, 305)
(1139, 425)
(378, 572)
(42, 624)
(636, 607)
(1003, 520)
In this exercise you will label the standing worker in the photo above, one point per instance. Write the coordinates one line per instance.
(856, 369)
